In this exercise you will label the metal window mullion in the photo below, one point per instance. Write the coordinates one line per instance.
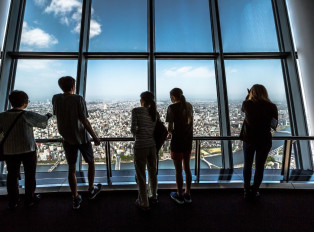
(292, 78)
(11, 44)
(151, 46)
(222, 96)
(82, 61)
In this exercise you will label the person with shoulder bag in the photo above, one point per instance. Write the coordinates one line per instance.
(143, 129)
(260, 116)
(18, 146)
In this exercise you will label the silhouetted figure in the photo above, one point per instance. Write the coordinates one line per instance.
(75, 129)
(260, 114)
(20, 147)
(143, 125)
(180, 118)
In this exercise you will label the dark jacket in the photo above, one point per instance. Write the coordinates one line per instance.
(256, 128)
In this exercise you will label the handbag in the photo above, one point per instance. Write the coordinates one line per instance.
(274, 124)
(5, 136)
(160, 136)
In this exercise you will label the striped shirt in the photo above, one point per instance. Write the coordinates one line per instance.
(21, 138)
(142, 128)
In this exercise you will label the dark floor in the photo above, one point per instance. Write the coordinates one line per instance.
(211, 210)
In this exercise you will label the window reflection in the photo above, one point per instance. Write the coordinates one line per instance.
(118, 26)
(247, 26)
(183, 26)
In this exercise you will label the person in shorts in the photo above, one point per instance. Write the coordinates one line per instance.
(73, 125)
(180, 119)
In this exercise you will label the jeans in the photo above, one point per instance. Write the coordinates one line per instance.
(261, 151)
(13, 162)
(143, 157)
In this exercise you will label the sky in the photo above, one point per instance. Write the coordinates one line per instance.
(121, 26)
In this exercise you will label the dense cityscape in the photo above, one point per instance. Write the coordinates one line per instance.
(113, 119)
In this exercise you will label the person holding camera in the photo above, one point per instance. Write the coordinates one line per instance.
(260, 115)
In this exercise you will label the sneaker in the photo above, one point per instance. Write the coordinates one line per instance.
(153, 201)
(187, 198)
(77, 202)
(94, 192)
(179, 199)
(138, 205)
(12, 206)
(247, 194)
(34, 201)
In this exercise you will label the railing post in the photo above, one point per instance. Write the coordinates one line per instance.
(198, 160)
(108, 162)
(196, 156)
(285, 171)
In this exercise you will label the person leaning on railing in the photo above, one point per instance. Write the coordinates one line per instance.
(256, 135)
(75, 128)
(20, 147)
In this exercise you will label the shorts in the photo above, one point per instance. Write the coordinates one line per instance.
(180, 155)
(71, 152)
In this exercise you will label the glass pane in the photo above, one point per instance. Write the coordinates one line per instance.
(39, 79)
(52, 25)
(211, 154)
(183, 26)
(51, 157)
(247, 26)
(113, 89)
(4, 10)
(118, 26)
(243, 74)
(274, 159)
(99, 157)
(197, 80)
(122, 155)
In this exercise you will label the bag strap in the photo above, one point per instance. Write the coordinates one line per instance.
(11, 127)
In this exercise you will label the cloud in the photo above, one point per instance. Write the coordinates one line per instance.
(95, 28)
(40, 3)
(36, 37)
(189, 72)
(63, 7)
(70, 12)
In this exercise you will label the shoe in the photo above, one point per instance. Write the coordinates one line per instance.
(138, 205)
(94, 192)
(153, 201)
(179, 199)
(77, 202)
(12, 206)
(187, 198)
(255, 195)
(247, 194)
(34, 201)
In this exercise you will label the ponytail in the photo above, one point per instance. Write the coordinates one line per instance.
(150, 103)
(184, 109)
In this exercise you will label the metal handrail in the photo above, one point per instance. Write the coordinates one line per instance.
(228, 138)
(289, 140)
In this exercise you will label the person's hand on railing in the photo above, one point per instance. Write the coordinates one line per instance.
(96, 141)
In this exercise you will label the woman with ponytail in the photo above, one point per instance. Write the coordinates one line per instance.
(143, 124)
(180, 119)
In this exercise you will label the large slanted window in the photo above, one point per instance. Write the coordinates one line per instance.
(115, 49)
